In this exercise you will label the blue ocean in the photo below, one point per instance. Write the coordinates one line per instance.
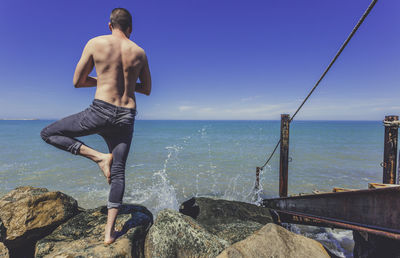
(171, 161)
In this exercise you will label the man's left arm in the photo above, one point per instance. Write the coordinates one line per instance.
(84, 67)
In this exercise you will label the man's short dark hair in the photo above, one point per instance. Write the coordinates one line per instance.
(120, 18)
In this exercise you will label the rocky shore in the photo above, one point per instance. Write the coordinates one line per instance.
(35, 222)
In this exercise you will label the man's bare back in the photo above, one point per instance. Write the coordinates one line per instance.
(119, 62)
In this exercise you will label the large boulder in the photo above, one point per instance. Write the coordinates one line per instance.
(176, 235)
(28, 214)
(274, 241)
(229, 220)
(83, 235)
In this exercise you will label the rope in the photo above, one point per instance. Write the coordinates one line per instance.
(327, 69)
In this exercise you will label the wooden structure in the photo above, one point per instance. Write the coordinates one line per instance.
(374, 210)
(284, 156)
(390, 151)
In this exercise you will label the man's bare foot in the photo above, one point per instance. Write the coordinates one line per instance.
(105, 165)
(110, 238)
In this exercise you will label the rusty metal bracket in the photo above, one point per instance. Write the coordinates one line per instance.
(374, 210)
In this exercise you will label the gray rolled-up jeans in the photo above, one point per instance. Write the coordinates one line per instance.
(115, 124)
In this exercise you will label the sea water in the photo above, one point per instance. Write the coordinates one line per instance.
(172, 161)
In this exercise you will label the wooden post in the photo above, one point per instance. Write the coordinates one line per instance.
(284, 156)
(398, 172)
(390, 152)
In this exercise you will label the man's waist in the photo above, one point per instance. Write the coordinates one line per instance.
(106, 103)
(111, 109)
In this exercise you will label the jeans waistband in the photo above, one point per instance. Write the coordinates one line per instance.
(113, 108)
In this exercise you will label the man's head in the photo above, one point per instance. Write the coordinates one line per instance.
(121, 19)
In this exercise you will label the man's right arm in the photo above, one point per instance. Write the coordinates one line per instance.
(144, 86)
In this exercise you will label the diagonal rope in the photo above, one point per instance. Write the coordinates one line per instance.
(326, 70)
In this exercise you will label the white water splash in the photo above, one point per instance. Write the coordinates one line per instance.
(136, 165)
(161, 194)
(255, 195)
(340, 242)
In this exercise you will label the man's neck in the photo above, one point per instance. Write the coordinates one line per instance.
(119, 33)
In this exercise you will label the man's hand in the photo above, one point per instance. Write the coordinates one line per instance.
(84, 67)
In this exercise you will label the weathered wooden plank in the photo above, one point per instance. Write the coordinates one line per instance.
(341, 189)
(378, 185)
(318, 192)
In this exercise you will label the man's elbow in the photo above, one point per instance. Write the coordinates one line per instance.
(77, 83)
(147, 88)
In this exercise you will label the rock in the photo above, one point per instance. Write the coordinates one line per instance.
(83, 235)
(3, 251)
(215, 211)
(274, 241)
(28, 214)
(234, 231)
(230, 220)
(176, 235)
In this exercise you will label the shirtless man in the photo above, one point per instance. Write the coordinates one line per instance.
(119, 64)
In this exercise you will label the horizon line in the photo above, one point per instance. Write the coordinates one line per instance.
(309, 120)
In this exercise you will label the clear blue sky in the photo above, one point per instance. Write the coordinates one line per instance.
(210, 59)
